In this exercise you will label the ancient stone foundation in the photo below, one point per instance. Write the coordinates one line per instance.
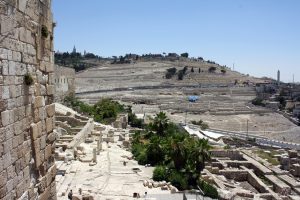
(27, 169)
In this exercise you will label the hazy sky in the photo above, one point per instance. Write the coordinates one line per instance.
(258, 36)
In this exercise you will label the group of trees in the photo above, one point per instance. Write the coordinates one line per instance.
(182, 72)
(104, 111)
(74, 60)
(184, 55)
(177, 157)
(170, 72)
(212, 69)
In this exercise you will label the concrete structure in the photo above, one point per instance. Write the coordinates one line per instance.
(296, 110)
(27, 169)
(64, 80)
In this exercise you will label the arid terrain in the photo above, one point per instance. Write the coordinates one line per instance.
(222, 104)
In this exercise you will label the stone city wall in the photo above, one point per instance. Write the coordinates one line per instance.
(64, 80)
(27, 168)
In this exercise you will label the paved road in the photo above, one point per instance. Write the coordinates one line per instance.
(259, 139)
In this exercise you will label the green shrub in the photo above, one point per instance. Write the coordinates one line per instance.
(44, 31)
(136, 149)
(134, 121)
(179, 180)
(155, 154)
(258, 101)
(160, 173)
(28, 80)
(200, 123)
(142, 158)
(208, 190)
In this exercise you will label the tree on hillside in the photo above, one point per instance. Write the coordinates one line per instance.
(212, 69)
(223, 71)
(199, 70)
(180, 75)
(192, 70)
(185, 55)
(185, 69)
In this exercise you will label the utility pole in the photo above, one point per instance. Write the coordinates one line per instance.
(247, 130)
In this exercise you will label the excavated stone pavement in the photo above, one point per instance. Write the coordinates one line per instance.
(108, 179)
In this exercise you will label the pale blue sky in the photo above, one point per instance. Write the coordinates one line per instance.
(259, 36)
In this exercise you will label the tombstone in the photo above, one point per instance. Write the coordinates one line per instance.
(110, 133)
(121, 137)
(99, 147)
(94, 155)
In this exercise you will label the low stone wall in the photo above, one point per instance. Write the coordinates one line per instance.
(256, 182)
(82, 135)
(232, 154)
(258, 168)
(237, 175)
(71, 120)
(278, 185)
(290, 181)
(238, 164)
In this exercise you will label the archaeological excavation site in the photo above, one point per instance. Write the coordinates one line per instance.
(159, 126)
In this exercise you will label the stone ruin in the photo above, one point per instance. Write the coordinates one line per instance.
(290, 162)
(64, 81)
(80, 139)
(238, 176)
(27, 168)
(121, 121)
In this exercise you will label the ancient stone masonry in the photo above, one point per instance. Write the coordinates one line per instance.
(27, 168)
(64, 81)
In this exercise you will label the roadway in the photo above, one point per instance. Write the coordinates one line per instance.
(264, 141)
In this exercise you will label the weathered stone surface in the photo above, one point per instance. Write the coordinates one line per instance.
(49, 124)
(34, 131)
(5, 118)
(24, 143)
(50, 110)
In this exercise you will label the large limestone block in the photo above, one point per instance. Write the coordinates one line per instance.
(50, 109)
(49, 124)
(34, 131)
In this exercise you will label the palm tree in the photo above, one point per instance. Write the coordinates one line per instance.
(200, 154)
(178, 154)
(160, 123)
